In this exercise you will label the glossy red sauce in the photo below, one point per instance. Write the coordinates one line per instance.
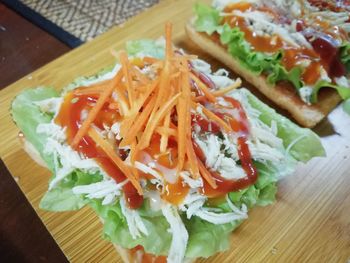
(258, 43)
(293, 56)
(173, 193)
(70, 117)
(240, 126)
(335, 6)
(204, 124)
(325, 52)
(138, 252)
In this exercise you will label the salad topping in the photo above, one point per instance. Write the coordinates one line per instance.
(292, 41)
(153, 115)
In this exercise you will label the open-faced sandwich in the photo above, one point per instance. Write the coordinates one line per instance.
(289, 50)
(169, 154)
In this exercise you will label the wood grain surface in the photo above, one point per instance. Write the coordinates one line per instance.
(309, 223)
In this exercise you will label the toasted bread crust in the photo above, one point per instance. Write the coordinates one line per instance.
(281, 94)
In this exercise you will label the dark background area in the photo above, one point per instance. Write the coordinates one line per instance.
(24, 47)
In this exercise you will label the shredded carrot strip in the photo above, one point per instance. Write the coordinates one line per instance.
(184, 115)
(181, 130)
(126, 124)
(206, 174)
(167, 131)
(126, 71)
(223, 91)
(203, 88)
(150, 60)
(123, 102)
(134, 112)
(141, 101)
(142, 78)
(199, 99)
(133, 152)
(192, 159)
(96, 88)
(163, 83)
(95, 110)
(147, 134)
(138, 124)
(88, 91)
(164, 138)
(147, 105)
(215, 118)
(168, 43)
(108, 149)
(113, 105)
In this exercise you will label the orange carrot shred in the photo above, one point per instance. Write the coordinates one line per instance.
(206, 174)
(147, 134)
(203, 88)
(141, 78)
(184, 115)
(108, 149)
(150, 60)
(123, 102)
(181, 130)
(95, 110)
(123, 57)
(223, 91)
(168, 43)
(141, 101)
(113, 106)
(138, 124)
(166, 130)
(147, 105)
(192, 159)
(133, 152)
(215, 118)
(164, 138)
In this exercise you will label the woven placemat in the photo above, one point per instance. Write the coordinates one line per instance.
(80, 20)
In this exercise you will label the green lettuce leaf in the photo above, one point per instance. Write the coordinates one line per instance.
(208, 18)
(145, 47)
(28, 116)
(305, 143)
(239, 48)
(116, 230)
(62, 198)
(206, 239)
(344, 92)
(345, 55)
(278, 73)
(258, 62)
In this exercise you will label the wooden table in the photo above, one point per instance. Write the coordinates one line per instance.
(309, 223)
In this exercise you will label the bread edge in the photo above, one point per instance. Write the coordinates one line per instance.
(306, 115)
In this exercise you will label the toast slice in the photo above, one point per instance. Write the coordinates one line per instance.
(283, 94)
(124, 253)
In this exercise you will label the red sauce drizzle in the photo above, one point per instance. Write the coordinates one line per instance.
(145, 257)
(325, 51)
(176, 192)
(70, 117)
(241, 127)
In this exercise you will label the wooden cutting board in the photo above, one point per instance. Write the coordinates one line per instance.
(309, 223)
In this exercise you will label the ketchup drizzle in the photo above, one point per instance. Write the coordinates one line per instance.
(242, 128)
(70, 117)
